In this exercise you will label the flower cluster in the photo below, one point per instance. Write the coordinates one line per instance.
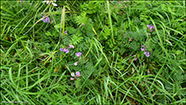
(71, 46)
(75, 76)
(67, 51)
(46, 19)
(78, 54)
(150, 27)
(145, 51)
(64, 50)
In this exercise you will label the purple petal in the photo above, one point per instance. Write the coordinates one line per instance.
(66, 50)
(70, 46)
(148, 26)
(78, 54)
(60, 49)
(147, 53)
(78, 74)
(135, 59)
(65, 32)
(83, 24)
(46, 19)
(142, 49)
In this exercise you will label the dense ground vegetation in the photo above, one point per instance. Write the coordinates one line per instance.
(94, 52)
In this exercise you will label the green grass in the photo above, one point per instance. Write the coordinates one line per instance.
(35, 71)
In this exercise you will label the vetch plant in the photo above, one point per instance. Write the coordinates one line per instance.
(150, 27)
(144, 49)
(46, 19)
(75, 75)
(135, 57)
(70, 46)
(78, 54)
(64, 50)
(65, 32)
(82, 24)
(147, 53)
(67, 51)
(157, 75)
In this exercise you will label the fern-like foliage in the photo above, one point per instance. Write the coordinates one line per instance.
(87, 70)
(105, 33)
(76, 39)
(81, 18)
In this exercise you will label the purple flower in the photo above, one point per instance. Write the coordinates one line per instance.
(142, 49)
(125, 33)
(70, 46)
(135, 59)
(82, 25)
(65, 32)
(78, 54)
(46, 19)
(60, 49)
(150, 27)
(78, 74)
(75, 76)
(65, 50)
(147, 53)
